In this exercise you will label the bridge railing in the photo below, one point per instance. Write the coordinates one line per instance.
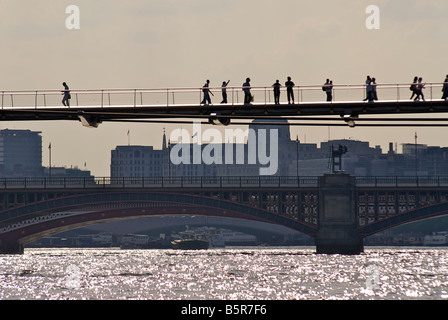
(156, 182)
(403, 181)
(211, 182)
(193, 96)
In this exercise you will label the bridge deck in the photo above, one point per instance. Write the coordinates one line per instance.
(96, 106)
(339, 108)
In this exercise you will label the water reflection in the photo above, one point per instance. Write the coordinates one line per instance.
(231, 273)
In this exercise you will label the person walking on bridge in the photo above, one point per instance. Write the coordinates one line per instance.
(328, 88)
(374, 92)
(247, 94)
(207, 93)
(413, 87)
(224, 91)
(289, 90)
(277, 86)
(445, 88)
(419, 90)
(67, 96)
(369, 94)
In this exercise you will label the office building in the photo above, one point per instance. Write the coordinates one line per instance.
(20, 153)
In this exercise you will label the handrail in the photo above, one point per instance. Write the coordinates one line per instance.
(210, 181)
(189, 89)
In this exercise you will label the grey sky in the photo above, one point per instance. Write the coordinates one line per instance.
(178, 43)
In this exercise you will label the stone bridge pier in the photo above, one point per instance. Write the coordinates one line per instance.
(11, 248)
(338, 216)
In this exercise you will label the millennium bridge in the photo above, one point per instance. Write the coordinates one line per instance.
(337, 210)
(347, 106)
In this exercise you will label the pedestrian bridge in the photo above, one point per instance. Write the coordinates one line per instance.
(183, 105)
(32, 208)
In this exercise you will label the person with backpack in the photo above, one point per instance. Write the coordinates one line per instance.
(419, 90)
(67, 96)
(328, 88)
(413, 87)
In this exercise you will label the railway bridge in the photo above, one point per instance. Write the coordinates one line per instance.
(338, 210)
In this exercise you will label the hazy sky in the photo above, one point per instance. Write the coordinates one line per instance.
(181, 43)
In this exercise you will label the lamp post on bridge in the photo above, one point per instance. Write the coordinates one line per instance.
(297, 142)
(49, 164)
(416, 157)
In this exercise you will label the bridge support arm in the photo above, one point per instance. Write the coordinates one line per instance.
(88, 121)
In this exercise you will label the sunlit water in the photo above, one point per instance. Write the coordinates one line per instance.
(231, 273)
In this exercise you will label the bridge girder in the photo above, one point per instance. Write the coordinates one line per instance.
(426, 212)
(113, 206)
(92, 116)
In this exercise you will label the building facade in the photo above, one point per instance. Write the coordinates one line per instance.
(294, 158)
(21, 156)
(20, 153)
(139, 161)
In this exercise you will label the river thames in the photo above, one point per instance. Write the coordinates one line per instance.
(252, 273)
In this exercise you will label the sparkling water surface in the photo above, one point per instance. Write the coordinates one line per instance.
(269, 273)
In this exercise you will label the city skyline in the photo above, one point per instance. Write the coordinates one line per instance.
(177, 44)
(21, 156)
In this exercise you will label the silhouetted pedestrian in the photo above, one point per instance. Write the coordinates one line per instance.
(369, 95)
(419, 90)
(445, 88)
(328, 88)
(374, 93)
(224, 91)
(207, 93)
(289, 90)
(277, 86)
(413, 87)
(247, 94)
(67, 96)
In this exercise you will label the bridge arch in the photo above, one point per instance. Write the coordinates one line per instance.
(80, 210)
(431, 211)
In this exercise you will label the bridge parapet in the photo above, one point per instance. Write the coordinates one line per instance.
(213, 182)
(158, 182)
